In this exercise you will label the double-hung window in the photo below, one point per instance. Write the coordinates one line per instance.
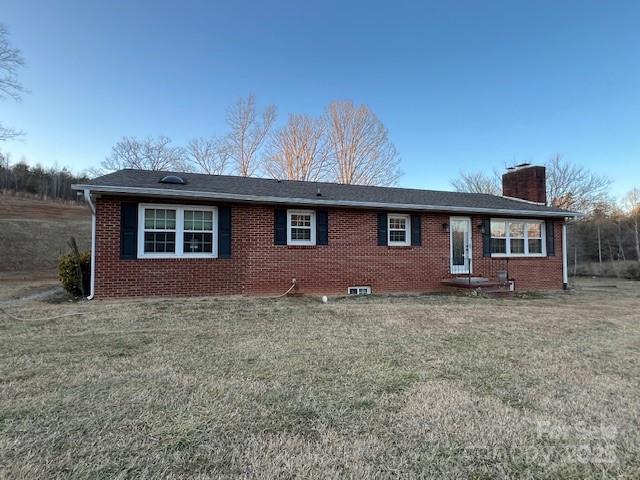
(198, 231)
(517, 238)
(398, 228)
(534, 238)
(159, 231)
(301, 227)
(185, 231)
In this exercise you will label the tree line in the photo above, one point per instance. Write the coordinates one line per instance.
(348, 144)
(606, 241)
(51, 183)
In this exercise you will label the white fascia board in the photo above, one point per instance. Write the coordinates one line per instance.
(154, 192)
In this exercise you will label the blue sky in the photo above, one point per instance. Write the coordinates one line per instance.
(460, 85)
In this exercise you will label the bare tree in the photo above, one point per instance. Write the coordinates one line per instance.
(11, 61)
(5, 167)
(146, 154)
(208, 155)
(478, 182)
(600, 213)
(573, 187)
(248, 133)
(631, 203)
(360, 146)
(618, 218)
(568, 186)
(7, 133)
(299, 150)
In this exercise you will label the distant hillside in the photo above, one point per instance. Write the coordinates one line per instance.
(33, 233)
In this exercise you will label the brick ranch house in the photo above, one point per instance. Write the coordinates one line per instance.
(167, 233)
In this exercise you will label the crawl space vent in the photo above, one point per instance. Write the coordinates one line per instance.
(359, 290)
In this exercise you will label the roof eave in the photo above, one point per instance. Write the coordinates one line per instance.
(155, 192)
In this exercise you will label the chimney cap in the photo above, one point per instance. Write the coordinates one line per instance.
(519, 166)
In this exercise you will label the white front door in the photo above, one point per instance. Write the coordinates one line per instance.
(460, 241)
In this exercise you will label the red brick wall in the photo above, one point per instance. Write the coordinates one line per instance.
(259, 267)
(527, 183)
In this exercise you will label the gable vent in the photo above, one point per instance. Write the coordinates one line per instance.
(173, 180)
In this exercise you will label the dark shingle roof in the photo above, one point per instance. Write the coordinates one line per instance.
(264, 190)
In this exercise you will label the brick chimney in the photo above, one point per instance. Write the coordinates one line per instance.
(527, 182)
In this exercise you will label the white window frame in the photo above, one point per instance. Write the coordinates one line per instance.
(179, 253)
(407, 230)
(360, 290)
(507, 237)
(312, 240)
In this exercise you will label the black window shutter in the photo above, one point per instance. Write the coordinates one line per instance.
(224, 232)
(128, 230)
(550, 231)
(280, 226)
(322, 227)
(382, 228)
(416, 230)
(486, 237)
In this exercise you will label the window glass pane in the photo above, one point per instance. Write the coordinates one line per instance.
(397, 236)
(188, 219)
(149, 217)
(159, 219)
(397, 223)
(198, 220)
(534, 230)
(498, 245)
(300, 234)
(164, 219)
(198, 243)
(159, 242)
(458, 239)
(516, 230)
(498, 229)
(535, 246)
(170, 222)
(207, 220)
(517, 245)
(300, 220)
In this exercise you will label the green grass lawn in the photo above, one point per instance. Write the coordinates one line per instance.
(428, 386)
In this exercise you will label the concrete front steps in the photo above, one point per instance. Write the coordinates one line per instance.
(482, 285)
